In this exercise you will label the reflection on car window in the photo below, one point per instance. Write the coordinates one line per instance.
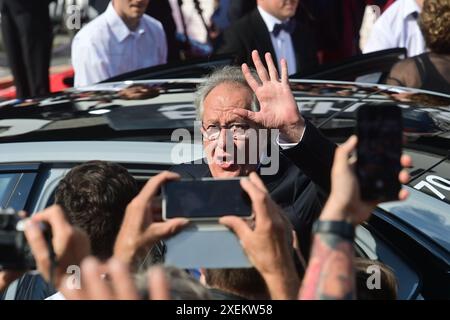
(6, 181)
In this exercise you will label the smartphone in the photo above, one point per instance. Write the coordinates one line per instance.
(206, 199)
(380, 134)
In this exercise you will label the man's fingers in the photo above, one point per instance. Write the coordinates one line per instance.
(259, 200)
(121, 281)
(350, 145)
(152, 186)
(271, 66)
(257, 181)
(296, 246)
(403, 177)
(161, 230)
(96, 287)
(55, 217)
(260, 69)
(70, 292)
(249, 77)
(38, 246)
(22, 214)
(246, 114)
(237, 225)
(137, 212)
(341, 156)
(406, 161)
(284, 72)
(158, 286)
(403, 194)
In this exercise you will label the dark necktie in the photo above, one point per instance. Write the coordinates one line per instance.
(287, 26)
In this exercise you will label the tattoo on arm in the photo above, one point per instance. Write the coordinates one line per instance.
(330, 273)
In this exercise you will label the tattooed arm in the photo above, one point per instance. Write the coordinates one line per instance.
(331, 273)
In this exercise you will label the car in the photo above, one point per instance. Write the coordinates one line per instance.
(41, 139)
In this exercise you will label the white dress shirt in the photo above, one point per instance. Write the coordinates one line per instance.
(106, 47)
(282, 44)
(57, 296)
(397, 27)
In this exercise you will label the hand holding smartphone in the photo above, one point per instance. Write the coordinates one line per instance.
(205, 201)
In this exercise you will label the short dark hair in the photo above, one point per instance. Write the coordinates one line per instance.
(247, 283)
(94, 196)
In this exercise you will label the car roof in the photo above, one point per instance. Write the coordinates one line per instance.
(97, 112)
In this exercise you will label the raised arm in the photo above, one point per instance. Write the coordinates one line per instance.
(313, 153)
(331, 273)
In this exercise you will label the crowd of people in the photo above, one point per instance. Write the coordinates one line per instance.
(134, 34)
(300, 241)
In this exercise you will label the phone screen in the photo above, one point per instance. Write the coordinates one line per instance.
(379, 133)
(205, 199)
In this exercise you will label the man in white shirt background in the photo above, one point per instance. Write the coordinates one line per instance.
(398, 27)
(120, 40)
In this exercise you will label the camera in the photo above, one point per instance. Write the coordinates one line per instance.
(15, 253)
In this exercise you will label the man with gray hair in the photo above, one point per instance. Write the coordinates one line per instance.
(231, 104)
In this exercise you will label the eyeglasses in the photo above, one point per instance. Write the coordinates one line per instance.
(238, 130)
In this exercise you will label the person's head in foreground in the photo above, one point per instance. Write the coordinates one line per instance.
(94, 196)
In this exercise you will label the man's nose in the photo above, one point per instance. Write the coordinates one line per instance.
(224, 136)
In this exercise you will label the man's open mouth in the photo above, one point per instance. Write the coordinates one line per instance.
(225, 162)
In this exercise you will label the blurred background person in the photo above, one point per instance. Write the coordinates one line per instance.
(162, 11)
(120, 40)
(429, 70)
(398, 27)
(338, 24)
(239, 8)
(193, 25)
(27, 37)
(273, 27)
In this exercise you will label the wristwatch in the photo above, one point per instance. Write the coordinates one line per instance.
(340, 228)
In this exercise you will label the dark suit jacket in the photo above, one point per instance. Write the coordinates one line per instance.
(250, 33)
(301, 184)
(19, 6)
